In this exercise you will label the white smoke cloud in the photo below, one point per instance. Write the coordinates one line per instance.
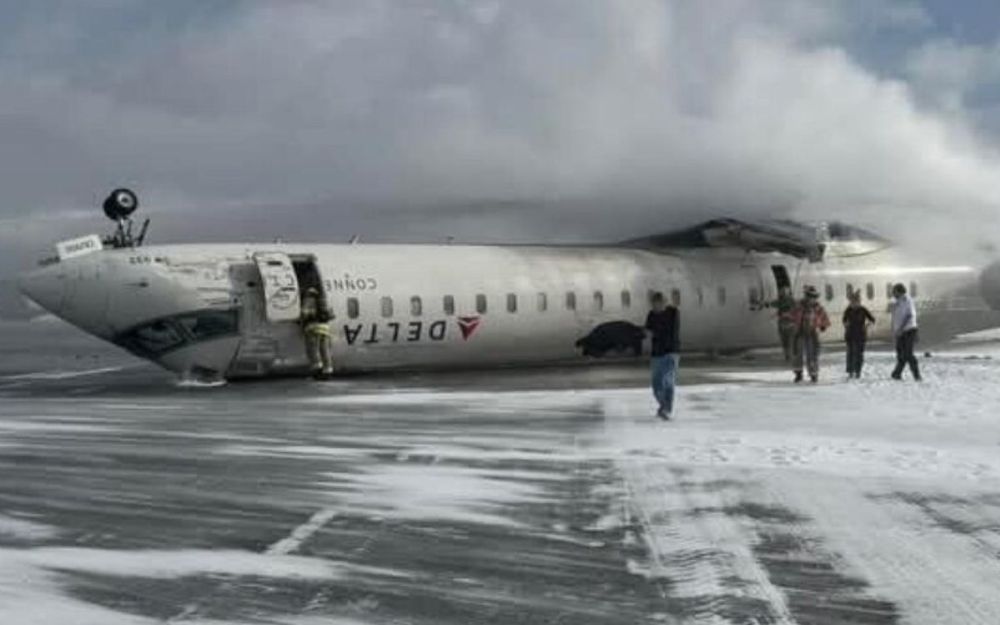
(623, 115)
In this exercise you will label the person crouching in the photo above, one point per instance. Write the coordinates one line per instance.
(809, 319)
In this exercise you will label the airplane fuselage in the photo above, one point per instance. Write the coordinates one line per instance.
(230, 310)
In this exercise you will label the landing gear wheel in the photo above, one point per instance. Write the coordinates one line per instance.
(120, 204)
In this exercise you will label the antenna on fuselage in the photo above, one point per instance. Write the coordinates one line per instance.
(119, 207)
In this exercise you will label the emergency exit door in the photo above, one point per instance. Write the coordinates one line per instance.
(281, 286)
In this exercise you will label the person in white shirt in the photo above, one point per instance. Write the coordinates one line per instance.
(904, 330)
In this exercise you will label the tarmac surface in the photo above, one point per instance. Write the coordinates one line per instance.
(544, 496)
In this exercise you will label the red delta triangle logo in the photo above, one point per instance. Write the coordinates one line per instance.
(468, 326)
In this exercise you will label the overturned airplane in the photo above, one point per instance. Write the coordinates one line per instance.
(232, 310)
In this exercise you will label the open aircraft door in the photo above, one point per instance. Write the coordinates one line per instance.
(281, 286)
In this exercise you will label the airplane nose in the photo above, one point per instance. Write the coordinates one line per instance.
(45, 286)
(989, 285)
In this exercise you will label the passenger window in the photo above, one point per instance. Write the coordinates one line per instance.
(353, 309)
(722, 296)
(570, 300)
(386, 306)
(626, 299)
(480, 303)
(849, 290)
(870, 291)
(543, 302)
(675, 296)
(913, 289)
(598, 300)
(449, 305)
(512, 302)
(828, 289)
(416, 306)
(701, 297)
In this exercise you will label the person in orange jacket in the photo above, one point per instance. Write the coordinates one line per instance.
(809, 319)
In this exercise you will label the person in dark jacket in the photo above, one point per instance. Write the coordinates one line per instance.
(856, 320)
(786, 329)
(663, 324)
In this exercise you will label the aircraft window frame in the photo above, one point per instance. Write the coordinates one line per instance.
(598, 301)
(448, 305)
(870, 291)
(353, 308)
(849, 289)
(626, 299)
(481, 304)
(721, 295)
(512, 302)
(150, 344)
(701, 297)
(542, 302)
(570, 300)
(219, 323)
(828, 292)
(675, 294)
(416, 306)
(386, 306)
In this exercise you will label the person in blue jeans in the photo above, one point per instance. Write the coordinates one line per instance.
(663, 325)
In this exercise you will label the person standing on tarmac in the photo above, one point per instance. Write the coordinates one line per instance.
(786, 329)
(809, 319)
(663, 324)
(315, 321)
(856, 321)
(904, 330)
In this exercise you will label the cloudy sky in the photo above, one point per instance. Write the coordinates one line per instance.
(487, 120)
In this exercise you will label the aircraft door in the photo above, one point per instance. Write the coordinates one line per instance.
(280, 285)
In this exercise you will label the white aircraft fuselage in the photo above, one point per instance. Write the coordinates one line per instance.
(231, 310)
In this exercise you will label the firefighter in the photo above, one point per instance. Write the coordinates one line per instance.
(808, 319)
(315, 321)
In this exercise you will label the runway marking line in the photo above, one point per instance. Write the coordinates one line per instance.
(302, 533)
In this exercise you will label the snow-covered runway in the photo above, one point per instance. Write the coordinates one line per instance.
(492, 498)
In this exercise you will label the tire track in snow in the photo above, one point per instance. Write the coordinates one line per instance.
(709, 564)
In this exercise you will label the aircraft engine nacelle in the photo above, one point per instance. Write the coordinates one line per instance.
(989, 285)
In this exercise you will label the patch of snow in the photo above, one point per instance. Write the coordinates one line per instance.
(24, 529)
(416, 491)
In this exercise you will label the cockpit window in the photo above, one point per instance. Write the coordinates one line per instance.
(156, 337)
(209, 324)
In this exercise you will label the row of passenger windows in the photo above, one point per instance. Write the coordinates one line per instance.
(513, 302)
(541, 300)
(869, 290)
